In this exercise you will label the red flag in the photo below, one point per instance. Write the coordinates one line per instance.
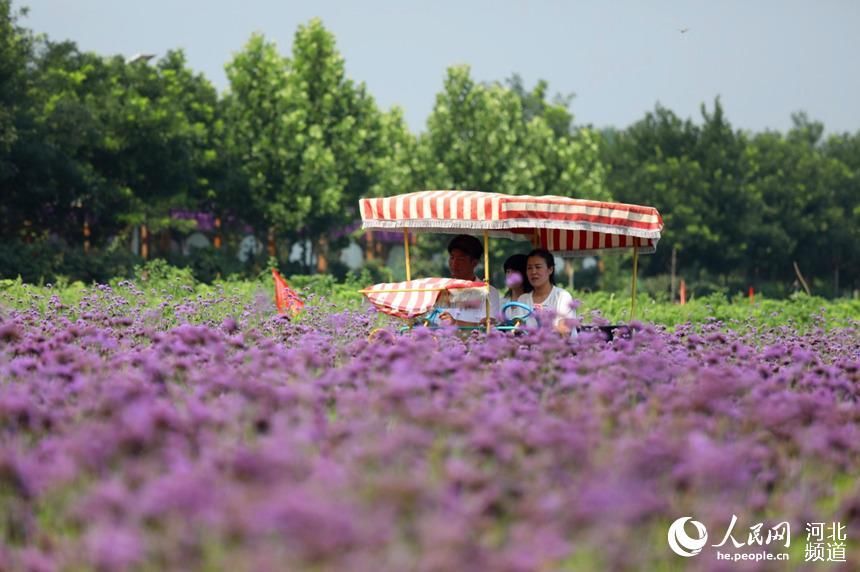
(286, 298)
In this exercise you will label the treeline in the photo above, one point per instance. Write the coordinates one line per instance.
(95, 149)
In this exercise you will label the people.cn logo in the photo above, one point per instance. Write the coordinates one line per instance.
(681, 543)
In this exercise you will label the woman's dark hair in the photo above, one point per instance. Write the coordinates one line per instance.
(517, 262)
(548, 258)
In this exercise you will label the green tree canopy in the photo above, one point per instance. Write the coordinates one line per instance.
(116, 142)
(309, 140)
(15, 52)
(292, 145)
(480, 138)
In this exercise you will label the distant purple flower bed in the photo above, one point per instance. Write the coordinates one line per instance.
(298, 446)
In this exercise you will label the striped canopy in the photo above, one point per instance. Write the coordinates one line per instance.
(415, 297)
(569, 227)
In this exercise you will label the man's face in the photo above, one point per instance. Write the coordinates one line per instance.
(461, 265)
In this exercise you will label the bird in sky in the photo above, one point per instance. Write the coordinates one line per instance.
(684, 30)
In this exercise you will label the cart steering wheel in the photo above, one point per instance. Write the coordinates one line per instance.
(518, 319)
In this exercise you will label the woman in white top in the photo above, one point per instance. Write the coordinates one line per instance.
(545, 295)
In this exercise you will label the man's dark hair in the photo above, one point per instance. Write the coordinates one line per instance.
(468, 244)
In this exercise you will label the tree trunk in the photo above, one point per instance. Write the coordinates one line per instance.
(674, 268)
(164, 242)
(144, 242)
(270, 240)
(836, 281)
(322, 254)
(369, 246)
(802, 279)
(217, 233)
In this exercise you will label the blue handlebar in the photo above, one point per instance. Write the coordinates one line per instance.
(529, 310)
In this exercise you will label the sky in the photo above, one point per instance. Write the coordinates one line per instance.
(765, 59)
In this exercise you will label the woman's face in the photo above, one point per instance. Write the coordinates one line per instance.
(537, 271)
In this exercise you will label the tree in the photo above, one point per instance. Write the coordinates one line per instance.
(156, 137)
(773, 241)
(652, 163)
(806, 209)
(494, 138)
(121, 143)
(845, 225)
(473, 137)
(308, 139)
(565, 159)
(730, 207)
(557, 113)
(479, 137)
(256, 138)
(397, 166)
(15, 54)
(742, 207)
(51, 173)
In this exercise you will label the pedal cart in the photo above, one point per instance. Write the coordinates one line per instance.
(565, 226)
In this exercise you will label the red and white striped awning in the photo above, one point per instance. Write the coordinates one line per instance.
(415, 297)
(571, 227)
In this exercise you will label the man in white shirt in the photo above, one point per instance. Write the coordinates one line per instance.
(464, 254)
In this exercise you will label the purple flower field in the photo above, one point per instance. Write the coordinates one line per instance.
(132, 440)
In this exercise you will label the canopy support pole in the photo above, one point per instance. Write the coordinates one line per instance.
(487, 275)
(633, 284)
(397, 290)
(406, 250)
